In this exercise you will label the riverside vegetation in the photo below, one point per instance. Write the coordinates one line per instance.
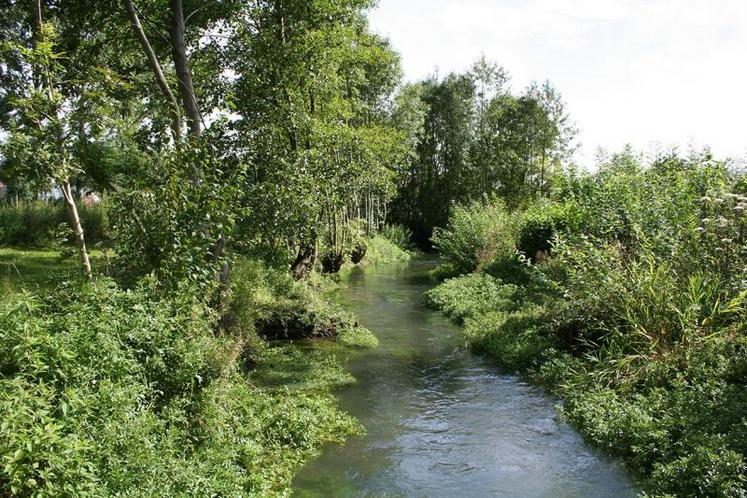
(622, 291)
(153, 368)
(243, 153)
(108, 390)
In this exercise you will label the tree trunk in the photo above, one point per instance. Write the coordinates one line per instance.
(77, 227)
(184, 75)
(64, 184)
(303, 262)
(155, 66)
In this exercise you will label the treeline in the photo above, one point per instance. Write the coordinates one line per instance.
(624, 292)
(472, 137)
(248, 127)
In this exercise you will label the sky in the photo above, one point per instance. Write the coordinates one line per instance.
(652, 73)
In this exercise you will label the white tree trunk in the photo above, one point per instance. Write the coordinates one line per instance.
(77, 227)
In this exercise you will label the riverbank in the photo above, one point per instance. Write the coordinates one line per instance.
(209, 405)
(624, 294)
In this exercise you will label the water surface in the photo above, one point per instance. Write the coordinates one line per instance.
(442, 421)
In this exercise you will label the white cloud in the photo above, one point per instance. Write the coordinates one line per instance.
(639, 71)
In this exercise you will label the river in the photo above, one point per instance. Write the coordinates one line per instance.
(442, 421)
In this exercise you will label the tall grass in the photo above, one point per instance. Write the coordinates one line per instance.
(42, 224)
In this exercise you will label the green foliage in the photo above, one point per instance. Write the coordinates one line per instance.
(181, 217)
(34, 224)
(289, 367)
(472, 295)
(97, 381)
(476, 235)
(381, 250)
(399, 235)
(280, 308)
(636, 319)
(313, 101)
(540, 224)
(474, 138)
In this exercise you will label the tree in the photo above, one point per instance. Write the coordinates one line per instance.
(490, 81)
(476, 139)
(53, 103)
(439, 172)
(312, 88)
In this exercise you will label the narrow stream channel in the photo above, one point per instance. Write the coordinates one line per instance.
(441, 421)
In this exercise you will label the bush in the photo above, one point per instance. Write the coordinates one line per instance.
(472, 295)
(278, 307)
(475, 236)
(381, 250)
(399, 235)
(112, 392)
(540, 224)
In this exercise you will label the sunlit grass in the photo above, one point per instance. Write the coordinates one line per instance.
(33, 270)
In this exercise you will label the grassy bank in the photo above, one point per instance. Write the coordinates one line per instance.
(112, 391)
(624, 294)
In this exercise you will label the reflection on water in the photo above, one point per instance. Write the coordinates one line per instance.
(442, 421)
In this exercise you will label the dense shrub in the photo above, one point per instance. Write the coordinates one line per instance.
(279, 307)
(475, 236)
(381, 250)
(399, 235)
(112, 392)
(473, 295)
(637, 318)
(541, 223)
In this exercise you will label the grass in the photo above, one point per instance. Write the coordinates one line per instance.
(39, 269)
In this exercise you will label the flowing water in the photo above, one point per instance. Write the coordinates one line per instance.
(441, 420)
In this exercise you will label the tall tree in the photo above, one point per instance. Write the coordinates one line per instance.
(490, 81)
(478, 139)
(59, 99)
(312, 85)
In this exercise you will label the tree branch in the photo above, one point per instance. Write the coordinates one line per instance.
(156, 68)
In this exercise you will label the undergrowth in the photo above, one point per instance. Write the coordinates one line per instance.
(625, 294)
(107, 391)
